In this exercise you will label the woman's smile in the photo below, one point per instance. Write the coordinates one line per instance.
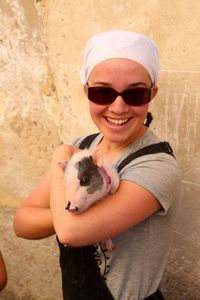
(117, 122)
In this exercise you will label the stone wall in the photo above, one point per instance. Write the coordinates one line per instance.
(42, 104)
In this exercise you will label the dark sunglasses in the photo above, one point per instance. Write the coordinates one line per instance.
(106, 95)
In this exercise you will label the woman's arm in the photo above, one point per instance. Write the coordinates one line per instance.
(33, 220)
(114, 214)
(3, 273)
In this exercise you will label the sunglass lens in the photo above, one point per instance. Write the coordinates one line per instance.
(137, 96)
(101, 95)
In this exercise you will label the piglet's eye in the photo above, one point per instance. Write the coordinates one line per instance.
(84, 180)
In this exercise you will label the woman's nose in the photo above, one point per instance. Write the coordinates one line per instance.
(119, 106)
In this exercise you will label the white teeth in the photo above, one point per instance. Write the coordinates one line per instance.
(117, 122)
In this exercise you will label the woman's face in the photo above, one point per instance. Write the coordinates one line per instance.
(119, 122)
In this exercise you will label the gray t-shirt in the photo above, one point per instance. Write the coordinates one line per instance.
(134, 269)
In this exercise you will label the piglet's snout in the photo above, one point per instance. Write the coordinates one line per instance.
(71, 207)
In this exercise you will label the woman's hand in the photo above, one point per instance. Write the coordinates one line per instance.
(60, 156)
(62, 153)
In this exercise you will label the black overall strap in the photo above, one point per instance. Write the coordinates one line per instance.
(81, 277)
(86, 142)
(151, 149)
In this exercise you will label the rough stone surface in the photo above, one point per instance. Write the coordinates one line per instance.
(32, 266)
(42, 103)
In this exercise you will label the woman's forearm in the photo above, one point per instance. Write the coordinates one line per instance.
(33, 222)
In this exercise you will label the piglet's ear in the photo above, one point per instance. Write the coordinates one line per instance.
(62, 164)
(97, 157)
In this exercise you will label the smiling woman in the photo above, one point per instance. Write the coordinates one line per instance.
(119, 77)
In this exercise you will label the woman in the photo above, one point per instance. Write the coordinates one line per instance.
(3, 273)
(119, 75)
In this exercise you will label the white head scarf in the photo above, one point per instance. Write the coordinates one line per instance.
(120, 44)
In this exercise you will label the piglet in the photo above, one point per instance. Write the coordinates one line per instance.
(88, 178)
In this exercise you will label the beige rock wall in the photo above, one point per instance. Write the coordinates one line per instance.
(27, 127)
(42, 102)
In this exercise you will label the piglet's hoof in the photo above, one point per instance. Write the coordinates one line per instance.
(108, 244)
(71, 208)
(68, 205)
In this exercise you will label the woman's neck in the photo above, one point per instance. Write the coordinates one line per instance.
(111, 149)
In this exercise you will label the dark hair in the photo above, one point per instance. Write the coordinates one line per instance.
(148, 119)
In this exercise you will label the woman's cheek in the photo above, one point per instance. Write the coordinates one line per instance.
(96, 110)
(141, 111)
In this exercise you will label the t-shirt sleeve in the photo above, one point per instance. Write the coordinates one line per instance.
(158, 173)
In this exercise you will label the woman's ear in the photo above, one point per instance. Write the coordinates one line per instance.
(155, 90)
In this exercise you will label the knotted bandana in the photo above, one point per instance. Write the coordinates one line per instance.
(120, 44)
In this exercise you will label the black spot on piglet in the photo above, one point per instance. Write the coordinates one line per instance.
(89, 175)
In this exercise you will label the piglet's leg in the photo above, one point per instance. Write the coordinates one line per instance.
(109, 245)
